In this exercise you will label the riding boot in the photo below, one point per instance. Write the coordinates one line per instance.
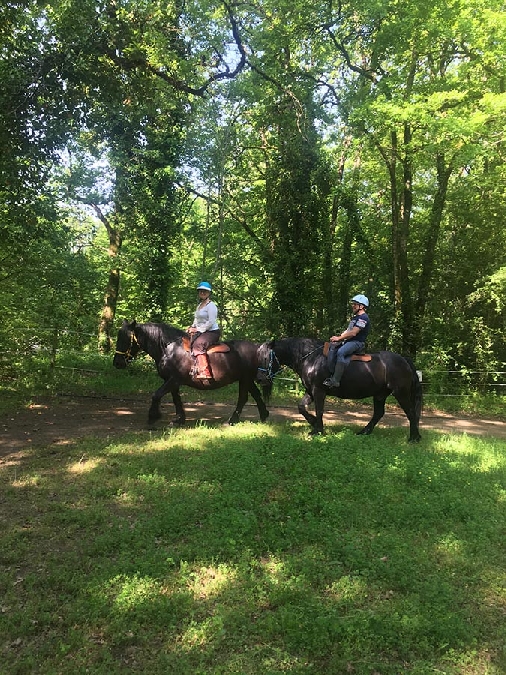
(203, 372)
(335, 380)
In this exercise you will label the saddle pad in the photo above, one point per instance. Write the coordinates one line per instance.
(355, 357)
(220, 348)
(214, 349)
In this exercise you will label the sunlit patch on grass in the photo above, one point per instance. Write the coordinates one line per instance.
(450, 551)
(84, 466)
(274, 569)
(203, 634)
(197, 439)
(347, 589)
(480, 455)
(33, 480)
(208, 582)
(130, 592)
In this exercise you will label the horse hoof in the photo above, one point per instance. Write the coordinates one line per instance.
(233, 420)
(264, 418)
(364, 432)
(317, 432)
(415, 440)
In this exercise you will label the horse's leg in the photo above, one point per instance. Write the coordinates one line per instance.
(379, 411)
(241, 402)
(306, 400)
(405, 400)
(257, 396)
(319, 400)
(180, 419)
(154, 410)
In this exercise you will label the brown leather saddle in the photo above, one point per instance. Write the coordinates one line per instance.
(221, 347)
(354, 357)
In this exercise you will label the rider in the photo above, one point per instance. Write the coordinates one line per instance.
(204, 330)
(350, 341)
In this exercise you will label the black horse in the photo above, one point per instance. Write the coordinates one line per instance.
(384, 374)
(165, 344)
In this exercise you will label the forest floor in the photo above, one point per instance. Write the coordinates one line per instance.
(62, 420)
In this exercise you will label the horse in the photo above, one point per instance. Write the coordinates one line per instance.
(168, 347)
(377, 374)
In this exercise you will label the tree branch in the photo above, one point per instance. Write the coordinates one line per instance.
(181, 85)
(233, 215)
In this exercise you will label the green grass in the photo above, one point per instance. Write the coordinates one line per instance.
(255, 550)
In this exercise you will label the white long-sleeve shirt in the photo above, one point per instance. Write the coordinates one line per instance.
(206, 317)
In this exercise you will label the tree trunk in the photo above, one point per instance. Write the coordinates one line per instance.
(112, 289)
(436, 215)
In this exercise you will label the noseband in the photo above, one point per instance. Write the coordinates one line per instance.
(128, 354)
(269, 371)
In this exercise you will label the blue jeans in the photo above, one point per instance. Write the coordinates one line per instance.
(343, 353)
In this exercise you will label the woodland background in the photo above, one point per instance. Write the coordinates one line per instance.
(291, 153)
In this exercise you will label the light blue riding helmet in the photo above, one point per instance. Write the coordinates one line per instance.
(361, 299)
(204, 286)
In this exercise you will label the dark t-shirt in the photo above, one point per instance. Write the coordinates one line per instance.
(360, 321)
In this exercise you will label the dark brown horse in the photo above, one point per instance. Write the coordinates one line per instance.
(174, 363)
(384, 374)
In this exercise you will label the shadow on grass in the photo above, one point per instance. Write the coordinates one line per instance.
(254, 550)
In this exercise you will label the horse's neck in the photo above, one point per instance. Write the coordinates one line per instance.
(151, 341)
(287, 354)
(293, 353)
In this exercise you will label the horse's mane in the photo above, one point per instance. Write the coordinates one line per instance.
(163, 332)
(302, 345)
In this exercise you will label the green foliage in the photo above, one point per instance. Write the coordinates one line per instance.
(292, 154)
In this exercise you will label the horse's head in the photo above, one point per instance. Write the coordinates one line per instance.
(127, 346)
(268, 364)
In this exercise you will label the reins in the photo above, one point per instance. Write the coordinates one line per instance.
(312, 352)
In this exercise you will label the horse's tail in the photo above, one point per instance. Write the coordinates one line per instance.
(267, 391)
(416, 389)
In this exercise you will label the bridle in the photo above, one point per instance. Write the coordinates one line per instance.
(128, 354)
(269, 370)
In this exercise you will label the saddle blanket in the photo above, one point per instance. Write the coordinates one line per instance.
(354, 357)
(221, 347)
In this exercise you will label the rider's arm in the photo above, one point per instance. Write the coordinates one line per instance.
(346, 335)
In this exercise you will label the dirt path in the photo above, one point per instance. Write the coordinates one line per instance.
(62, 420)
